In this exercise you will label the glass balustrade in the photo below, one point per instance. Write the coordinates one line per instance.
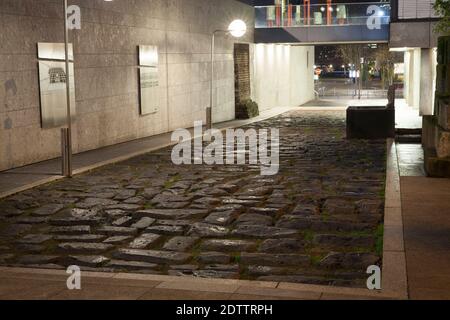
(341, 14)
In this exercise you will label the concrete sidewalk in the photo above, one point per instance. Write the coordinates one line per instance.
(426, 221)
(38, 284)
(20, 179)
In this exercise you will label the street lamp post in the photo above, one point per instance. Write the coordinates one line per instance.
(67, 134)
(237, 29)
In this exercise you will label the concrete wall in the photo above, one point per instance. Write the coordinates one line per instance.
(412, 77)
(105, 70)
(282, 75)
(420, 79)
(418, 34)
(427, 81)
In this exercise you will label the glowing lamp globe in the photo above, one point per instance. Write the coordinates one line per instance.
(237, 28)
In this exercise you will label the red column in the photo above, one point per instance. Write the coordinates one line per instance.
(307, 11)
(290, 15)
(278, 15)
(329, 12)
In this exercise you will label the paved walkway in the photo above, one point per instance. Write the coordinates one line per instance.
(317, 221)
(38, 284)
(16, 180)
(426, 215)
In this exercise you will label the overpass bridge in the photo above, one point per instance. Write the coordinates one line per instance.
(323, 23)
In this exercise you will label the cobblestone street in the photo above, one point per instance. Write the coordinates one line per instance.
(319, 221)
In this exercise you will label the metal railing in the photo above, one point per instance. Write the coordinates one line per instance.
(278, 16)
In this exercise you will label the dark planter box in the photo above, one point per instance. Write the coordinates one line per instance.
(370, 122)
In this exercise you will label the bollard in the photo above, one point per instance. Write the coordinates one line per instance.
(208, 118)
(66, 163)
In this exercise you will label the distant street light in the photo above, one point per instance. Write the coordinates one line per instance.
(237, 29)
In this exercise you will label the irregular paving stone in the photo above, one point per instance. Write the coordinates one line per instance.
(31, 220)
(143, 223)
(88, 261)
(110, 230)
(258, 270)
(85, 247)
(114, 213)
(221, 217)
(71, 230)
(305, 210)
(9, 211)
(228, 201)
(166, 230)
(150, 193)
(271, 212)
(48, 210)
(117, 239)
(180, 243)
(144, 241)
(254, 219)
(131, 265)
(76, 216)
(349, 260)
(171, 214)
(161, 198)
(15, 229)
(207, 201)
(125, 194)
(341, 226)
(223, 267)
(213, 257)
(257, 191)
(80, 238)
(183, 268)
(214, 274)
(103, 195)
(275, 259)
(152, 256)
(230, 207)
(331, 240)
(263, 232)
(207, 230)
(124, 207)
(135, 200)
(228, 245)
(4, 258)
(95, 202)
(182, 223)
(172, 205)
(35, 239)
(282, 245)
(36, 259)
(338, 206)
(369, 206)
(122, 221)
(30, 248)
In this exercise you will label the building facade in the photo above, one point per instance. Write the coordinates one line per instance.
(107, 71)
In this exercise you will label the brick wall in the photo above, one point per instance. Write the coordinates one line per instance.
(242, 72)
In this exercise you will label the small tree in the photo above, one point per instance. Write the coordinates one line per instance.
(442, 8)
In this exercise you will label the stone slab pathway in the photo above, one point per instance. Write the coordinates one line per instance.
(319, 221)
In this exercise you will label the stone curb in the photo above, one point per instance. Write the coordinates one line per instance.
(394, 276)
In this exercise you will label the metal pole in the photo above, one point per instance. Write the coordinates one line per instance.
(68, 164)
(209, 119)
